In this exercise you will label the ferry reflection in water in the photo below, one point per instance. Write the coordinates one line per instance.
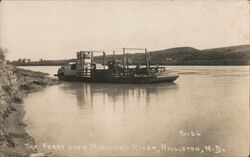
(212, 103)
(127, 94)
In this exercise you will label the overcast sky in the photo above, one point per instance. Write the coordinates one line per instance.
(57, 29)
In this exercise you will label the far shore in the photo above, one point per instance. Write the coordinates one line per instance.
(160, 65)
(178, 56)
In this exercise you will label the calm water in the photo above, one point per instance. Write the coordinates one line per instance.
(205, 111)
(51, 70)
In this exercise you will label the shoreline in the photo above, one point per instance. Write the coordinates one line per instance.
(153, 65)
(16, 85)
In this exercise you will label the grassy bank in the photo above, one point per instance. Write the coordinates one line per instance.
(15, 84)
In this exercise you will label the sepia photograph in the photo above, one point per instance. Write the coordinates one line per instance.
(124, 78)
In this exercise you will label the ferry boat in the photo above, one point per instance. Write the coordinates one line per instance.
(86, 69)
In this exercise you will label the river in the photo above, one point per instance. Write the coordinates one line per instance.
(204, 113)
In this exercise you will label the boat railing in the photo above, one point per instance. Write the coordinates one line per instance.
(143, 71)
(156, 69)
(86, 65)
(84, 73)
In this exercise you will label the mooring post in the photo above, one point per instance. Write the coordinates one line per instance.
(103, 59)
(148, 54)
(146, 57)
(123, 61)
(114, 56)
(92, 63)
(127, 63)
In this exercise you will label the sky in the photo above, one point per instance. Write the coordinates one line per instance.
(58, 29)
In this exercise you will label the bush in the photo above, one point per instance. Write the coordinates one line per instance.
(2, 55)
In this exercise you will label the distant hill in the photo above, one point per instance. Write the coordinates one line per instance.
(234, 55)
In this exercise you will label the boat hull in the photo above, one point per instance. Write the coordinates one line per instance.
(136, 80)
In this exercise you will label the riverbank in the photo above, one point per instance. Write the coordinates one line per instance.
(15, 85)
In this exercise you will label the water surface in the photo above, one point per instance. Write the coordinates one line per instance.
(88, 119)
